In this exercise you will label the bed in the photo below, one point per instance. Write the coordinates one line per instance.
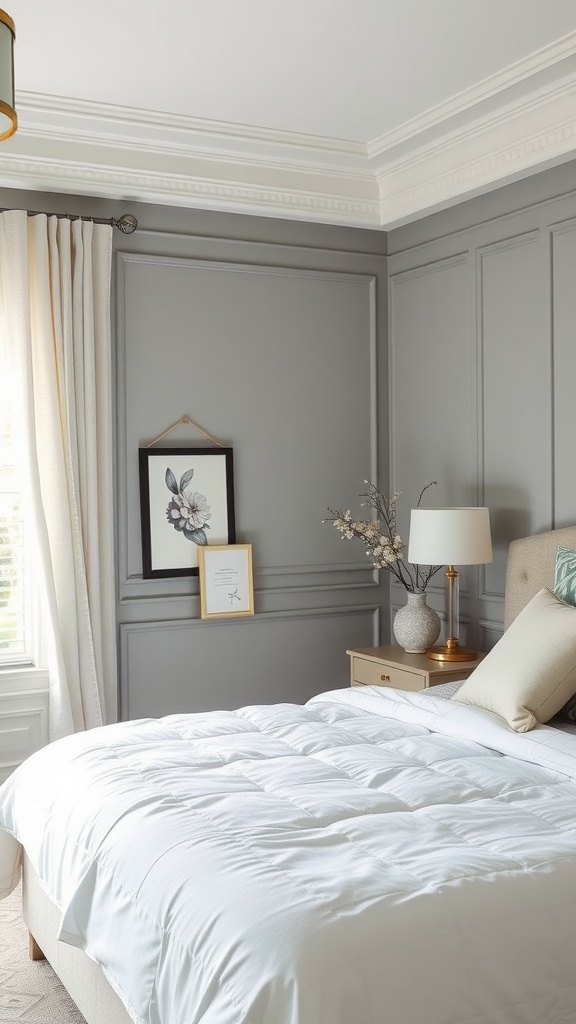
(374, 857)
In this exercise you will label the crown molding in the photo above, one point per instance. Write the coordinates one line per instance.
(520, 139)
(51, 175)
(56, 117)
(539, 70)
(119, 153)
(507, 127)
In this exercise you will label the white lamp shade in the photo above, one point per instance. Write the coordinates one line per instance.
(450, 536)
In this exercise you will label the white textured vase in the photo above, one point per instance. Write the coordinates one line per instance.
(416, 625)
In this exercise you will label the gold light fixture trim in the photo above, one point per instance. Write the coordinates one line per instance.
(8, 116)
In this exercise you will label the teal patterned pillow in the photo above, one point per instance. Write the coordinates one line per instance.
(565, 588)
(565, 575)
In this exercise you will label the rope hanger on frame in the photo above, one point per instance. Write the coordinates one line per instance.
(187, 420)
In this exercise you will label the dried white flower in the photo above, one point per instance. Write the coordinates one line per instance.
(383, 544)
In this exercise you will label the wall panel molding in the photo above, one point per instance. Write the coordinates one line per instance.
(23, 727)
(432, 266)
(188, 665)
(432, 400)
(514, 358)
(131, 584)
(277, 350)
(563, 304)
(522, 309)
(490, 632)
(510, 242)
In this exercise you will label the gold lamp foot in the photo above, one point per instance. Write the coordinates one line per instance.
(452, 652)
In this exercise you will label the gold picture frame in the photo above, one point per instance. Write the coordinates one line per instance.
(226, 581)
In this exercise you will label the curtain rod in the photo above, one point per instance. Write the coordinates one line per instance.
(127, 223)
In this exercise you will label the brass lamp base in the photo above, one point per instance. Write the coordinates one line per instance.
(451, 652)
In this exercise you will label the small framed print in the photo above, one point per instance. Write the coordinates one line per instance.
(226, 581)
(186, 502)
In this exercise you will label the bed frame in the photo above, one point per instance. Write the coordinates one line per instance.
(530, 567)
(82, 978)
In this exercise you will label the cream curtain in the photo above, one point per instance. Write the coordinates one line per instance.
(55, 296)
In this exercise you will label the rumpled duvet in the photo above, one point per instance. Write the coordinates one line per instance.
(372, 857)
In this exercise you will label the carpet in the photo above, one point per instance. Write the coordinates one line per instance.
(30, 992)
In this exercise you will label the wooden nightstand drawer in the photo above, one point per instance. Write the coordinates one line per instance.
(391, 666)
(368, 673)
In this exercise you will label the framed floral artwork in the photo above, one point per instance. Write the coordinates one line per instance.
(226, 582)
(186, 503)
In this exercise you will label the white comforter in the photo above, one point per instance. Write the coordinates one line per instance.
(374, 857)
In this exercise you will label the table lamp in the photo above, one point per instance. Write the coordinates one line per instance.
(450, 536)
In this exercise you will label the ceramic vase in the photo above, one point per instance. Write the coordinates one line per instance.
(416, 626)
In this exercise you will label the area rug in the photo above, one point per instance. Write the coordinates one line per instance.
(30, 992)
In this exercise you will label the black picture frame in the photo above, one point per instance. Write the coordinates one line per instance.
(186, 501)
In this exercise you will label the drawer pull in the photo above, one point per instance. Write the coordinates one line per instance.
(385, 679)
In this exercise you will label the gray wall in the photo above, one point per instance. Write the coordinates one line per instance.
(482, 306)
(271, 335)
(274, 349)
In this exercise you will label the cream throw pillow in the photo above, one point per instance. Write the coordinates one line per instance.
(531, 672)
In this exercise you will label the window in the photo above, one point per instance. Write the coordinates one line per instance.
(21, 642)
(15, 639)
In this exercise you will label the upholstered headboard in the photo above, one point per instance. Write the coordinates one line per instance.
(530, 567)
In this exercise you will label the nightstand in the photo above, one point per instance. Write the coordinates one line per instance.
(392, 666)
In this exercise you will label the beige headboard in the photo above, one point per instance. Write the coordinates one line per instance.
(531, 566)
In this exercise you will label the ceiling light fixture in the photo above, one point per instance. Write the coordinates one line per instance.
(8, 117)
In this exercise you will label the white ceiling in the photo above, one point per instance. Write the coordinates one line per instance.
(368, 112)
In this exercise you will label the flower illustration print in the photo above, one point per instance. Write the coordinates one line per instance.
(188, 511)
